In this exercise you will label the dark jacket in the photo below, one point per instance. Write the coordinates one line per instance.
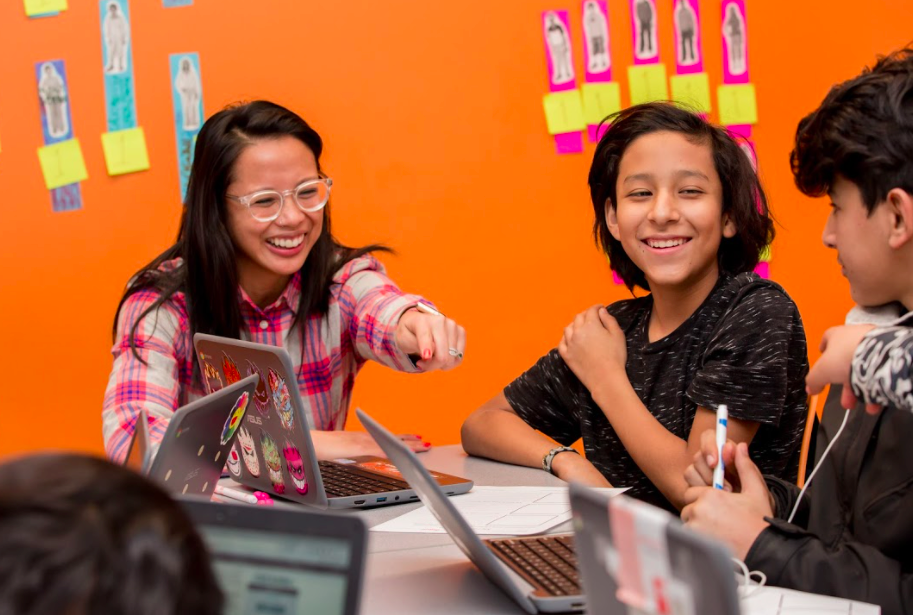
(853, 534)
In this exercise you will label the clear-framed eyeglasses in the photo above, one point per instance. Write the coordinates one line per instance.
(266, 205)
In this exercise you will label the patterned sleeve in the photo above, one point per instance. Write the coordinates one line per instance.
(546, 397)
(881, 370)
(747, 363)
(133, 385)
(371, 304)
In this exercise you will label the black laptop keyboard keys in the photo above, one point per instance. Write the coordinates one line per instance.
(341, 481)
(548, 562)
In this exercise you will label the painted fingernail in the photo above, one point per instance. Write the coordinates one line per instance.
(427, 444)
(426, 354)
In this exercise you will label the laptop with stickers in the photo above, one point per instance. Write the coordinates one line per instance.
(636, 558)
(537, 572)
(274, 443)
(196, 443)
(283, 561)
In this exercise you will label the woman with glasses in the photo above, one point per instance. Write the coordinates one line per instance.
(255, 259)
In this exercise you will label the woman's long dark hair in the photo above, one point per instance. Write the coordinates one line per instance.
(208, 276)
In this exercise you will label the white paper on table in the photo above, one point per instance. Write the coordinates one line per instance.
(515, 511)
(769, 600)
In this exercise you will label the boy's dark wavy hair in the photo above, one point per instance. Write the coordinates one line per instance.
(863, 131)
(743, 196)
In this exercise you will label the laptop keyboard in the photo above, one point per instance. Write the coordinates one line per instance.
(548, 562)
(342, 481)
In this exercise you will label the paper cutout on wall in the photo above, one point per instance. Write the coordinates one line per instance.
(643, 31)
(125, 151)
(187, 97)
(647, 83)
(44, 8)
(735, 42)
(117, 56)
(57, 124)
(62, 163)
(561, 112)
(737, 104)
(692, 91)
(689, 57)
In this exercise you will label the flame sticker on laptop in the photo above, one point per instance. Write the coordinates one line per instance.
(234, 418)
(249, 452)
(213, 377)
(273, 463)
(281, 399)
(232, 375)
(295, 467)
(261, 395)
(234, 461)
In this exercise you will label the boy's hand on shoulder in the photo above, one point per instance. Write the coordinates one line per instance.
(593, 346)
(833, 367)
(735, 518)
(574, 468)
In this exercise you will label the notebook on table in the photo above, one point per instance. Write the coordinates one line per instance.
(283, 561)
(274, 443)
(537, 572)
(196, 443)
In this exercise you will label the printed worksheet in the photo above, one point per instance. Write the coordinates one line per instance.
(778, 601)
(514, 511)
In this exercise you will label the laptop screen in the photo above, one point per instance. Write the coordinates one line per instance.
(278, 573)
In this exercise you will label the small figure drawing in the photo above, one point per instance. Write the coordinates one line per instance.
(686, 25)
(734, 33)
(116, 33)
(189, 88)
(643, 13)
(596, 31)
(53, 93)
(559, 49)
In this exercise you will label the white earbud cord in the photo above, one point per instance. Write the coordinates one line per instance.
(820, 462)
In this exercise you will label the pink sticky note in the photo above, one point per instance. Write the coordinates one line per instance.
(617, 279)
(763, 270)
(595, 131)
(569, 143)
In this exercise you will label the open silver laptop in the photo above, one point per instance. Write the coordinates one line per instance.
(276, 448)
(537, 572)
(283, 561)
(196, 443)
(685, 571)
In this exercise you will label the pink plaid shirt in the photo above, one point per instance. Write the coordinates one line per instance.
(365, 306)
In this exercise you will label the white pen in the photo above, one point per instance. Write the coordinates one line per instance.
(722, 418)
(427, 309)
(235, 494)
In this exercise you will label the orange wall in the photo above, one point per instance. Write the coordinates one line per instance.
(435, 139)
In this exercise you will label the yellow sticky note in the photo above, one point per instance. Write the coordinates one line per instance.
(647, 83)
(62, 164)
(692, 91)
(737, 104)
(125, 151)
(765, 254)
(600, 100)
(563, 112)
(40, 7)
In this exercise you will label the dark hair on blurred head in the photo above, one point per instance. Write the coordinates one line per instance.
(863, 131)
(208, 275)
(744, 200)
(79, 535)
